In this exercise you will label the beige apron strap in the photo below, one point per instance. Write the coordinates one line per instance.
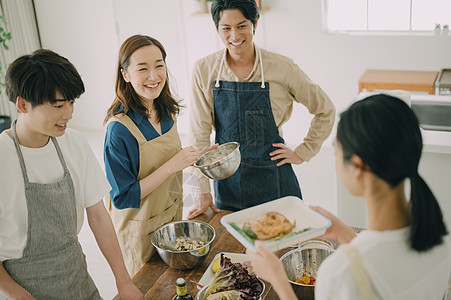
(358, 272)
(131, 126)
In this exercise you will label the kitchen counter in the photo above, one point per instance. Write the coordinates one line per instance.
(419, 81)
(157, 281)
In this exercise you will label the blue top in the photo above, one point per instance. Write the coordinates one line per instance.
(121, 156)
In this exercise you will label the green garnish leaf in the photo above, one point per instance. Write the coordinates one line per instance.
(250, 237)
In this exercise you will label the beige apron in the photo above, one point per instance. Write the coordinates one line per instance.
(358, 272)
(134, 227)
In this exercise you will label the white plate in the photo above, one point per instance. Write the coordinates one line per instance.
(208, 276)
(291, 207)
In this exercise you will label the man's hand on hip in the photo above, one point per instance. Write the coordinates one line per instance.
(285, 154)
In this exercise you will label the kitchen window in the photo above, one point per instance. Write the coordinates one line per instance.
(385, 16)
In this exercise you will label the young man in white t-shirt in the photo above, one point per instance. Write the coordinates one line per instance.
(49, 177)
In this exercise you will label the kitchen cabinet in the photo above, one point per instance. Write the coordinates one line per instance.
(414, 81)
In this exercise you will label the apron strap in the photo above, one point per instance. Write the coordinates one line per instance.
(19, 153)
(222, 63)
(358, 272)
(261, 66)
(22, 160)
(60, 155)
(220, 68)
(131, 126)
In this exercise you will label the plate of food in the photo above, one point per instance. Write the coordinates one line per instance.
(278, 224)
(214, 266)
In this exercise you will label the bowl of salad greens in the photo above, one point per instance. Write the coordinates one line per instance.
(233, 281)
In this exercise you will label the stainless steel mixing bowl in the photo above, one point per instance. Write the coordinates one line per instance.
(316, 243)
(164, 239)
(306, 259)
(221, 162)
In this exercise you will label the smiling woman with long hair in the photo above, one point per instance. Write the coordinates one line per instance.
(142, 152)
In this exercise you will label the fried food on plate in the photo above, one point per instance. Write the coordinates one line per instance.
(274, 224)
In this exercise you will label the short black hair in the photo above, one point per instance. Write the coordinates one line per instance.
(37, 78)
(249, 9)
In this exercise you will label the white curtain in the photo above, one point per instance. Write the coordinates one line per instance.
(21, 22)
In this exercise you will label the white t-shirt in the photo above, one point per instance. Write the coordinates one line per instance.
(44, 166)
(394, 270)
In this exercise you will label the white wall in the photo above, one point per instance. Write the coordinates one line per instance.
(90, 32)
(84, 32)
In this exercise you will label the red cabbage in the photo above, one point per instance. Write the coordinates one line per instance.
(237, 277)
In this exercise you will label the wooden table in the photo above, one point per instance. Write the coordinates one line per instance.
(419, 81)
(157, 281)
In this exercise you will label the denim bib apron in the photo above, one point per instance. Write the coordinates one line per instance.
(53, 265)
(243, 114)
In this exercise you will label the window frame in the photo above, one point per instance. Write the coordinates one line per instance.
(373, 32)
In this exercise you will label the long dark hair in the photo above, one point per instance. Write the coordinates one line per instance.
(384, 132)
(165, 105)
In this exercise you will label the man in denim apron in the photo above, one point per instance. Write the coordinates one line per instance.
(246, 94)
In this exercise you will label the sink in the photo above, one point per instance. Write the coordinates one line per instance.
(433, 115)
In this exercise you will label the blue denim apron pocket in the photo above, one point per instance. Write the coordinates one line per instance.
(255, 127)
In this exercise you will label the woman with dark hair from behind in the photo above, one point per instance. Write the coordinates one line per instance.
(406, 252)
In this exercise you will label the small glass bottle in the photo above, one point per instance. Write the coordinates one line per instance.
(180, 285)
